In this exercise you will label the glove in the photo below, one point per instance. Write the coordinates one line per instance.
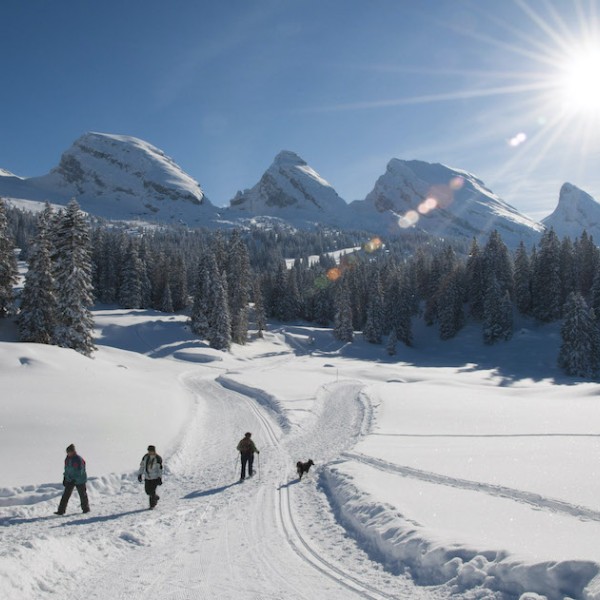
(258, 452)
(160, 481)
(64, 482)
(140, 478)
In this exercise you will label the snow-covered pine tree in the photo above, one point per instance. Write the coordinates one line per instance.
(545, 289)
(342, 327)
(259, 309)
(166, 304)
(130, 292)
(374, 324)
(566, 270)
(178, 283)
(73, 277)
(8, 265)
(398, 308)
(587, 261)
(522, 280)
(239, 285)
(200, 307)
(497, 319)
(37, 317)
(450, 304)
(475, 281)
(578, 354)
(219, 334)
(497, 263)
(392, 340)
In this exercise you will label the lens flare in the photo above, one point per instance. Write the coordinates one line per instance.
(517, 140)
(456, 183)
(427, 205)
(373, 245)
(409, 219)
(334, 274)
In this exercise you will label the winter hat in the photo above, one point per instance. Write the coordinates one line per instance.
(151, 448)
(248, 434)
(71, 448)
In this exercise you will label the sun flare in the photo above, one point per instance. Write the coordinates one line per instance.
(580, 81)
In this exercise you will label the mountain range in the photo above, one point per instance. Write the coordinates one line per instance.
(123, 178)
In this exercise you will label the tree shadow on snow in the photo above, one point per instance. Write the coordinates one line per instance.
(203, 493)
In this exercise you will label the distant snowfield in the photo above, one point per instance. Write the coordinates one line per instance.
(434, 477)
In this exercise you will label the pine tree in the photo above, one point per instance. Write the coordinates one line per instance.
(497, 263)
(201, 307)
(374, 325)
(37, 318)
(73, 276)
(579, 350)
(522, 280)
(450, 301)
(497, 320)
(8, 265)
(132, 277)
(342, 328)
(259, 309)
(566, 270)
(238, 287)
(219, 334)
(475, 281)
(546, 286)
(391, 343)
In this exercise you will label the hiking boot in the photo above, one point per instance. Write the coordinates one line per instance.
(59, 513)
(85, 510)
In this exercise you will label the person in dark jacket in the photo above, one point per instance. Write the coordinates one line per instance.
(246, 448)
(151, 469)
(74, 476)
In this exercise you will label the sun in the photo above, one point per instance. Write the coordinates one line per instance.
(580, 81)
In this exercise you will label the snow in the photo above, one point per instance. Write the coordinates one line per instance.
(433, 478)
(576, 212)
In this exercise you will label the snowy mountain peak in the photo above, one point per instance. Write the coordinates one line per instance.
(444, 201)
(576, 211)
(118, 177)
(288, 158)
(293, 190)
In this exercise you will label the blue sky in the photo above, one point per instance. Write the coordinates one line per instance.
(222, 87)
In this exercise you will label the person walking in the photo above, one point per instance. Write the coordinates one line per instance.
(74, 476)
(246, 448)
(151, 469)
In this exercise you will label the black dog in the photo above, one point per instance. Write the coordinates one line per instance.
(303, 467)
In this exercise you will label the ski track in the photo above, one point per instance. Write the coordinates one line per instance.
(531, 498)
(209, 531)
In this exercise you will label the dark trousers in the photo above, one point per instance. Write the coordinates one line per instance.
(85, 505)
(150, 486)
(247, 458)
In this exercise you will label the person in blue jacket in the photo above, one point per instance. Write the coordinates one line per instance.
(74, 477)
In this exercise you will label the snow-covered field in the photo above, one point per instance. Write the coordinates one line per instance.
(434, 477)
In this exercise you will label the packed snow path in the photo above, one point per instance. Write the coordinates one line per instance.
(212, 536)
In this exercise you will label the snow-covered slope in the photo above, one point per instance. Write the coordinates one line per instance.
(117, 177)
(576, 211)
(290, 189)
(443, 201)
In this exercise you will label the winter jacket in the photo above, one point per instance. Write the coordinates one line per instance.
(151, 467)
(246, 445)
(75, 470)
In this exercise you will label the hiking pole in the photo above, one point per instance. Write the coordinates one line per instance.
(259, 466)
(235, 466)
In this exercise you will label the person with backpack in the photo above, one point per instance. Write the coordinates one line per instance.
(74, 476)
(246, 448)
(151, 469)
